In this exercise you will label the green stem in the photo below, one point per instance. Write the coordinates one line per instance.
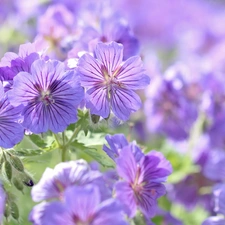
(76, 131)
(63, 153)
(57, 140)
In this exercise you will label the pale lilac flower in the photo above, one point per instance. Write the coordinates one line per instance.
(11, 64)
(81, 205)
(110, 82)
(55, 181)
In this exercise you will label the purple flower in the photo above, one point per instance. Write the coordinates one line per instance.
(81, 205)
(55, 181)
(142, 181)
(111, 29)
(11, 131)
(110, 82)
(56, 23)
(168, 108)
(11, 64)
(49, 95)
(214, 220)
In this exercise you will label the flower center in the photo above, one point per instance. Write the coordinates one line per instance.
(46, 98)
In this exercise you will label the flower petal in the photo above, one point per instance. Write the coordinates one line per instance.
(116, 142)
(50, 213)
(109, 212)
(110, 55)
(24, 89)
(97, 101)
(125, 194)
(90, 71)
(44, 72)
(82, 201)
(146, 198)
(123, 102)
(126, 164)
(131, 74)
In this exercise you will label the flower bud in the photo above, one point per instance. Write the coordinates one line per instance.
(16, 163)
(95, 118)
(7, 170)
(17, 183)
(7, 211)
(27, 180)
(14, 210)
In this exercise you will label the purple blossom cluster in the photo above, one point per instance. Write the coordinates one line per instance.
(44, 95)
(97, 57)
(78, 192)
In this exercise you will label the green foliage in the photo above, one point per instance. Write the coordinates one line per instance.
(91, 145)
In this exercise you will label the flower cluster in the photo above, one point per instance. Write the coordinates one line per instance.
(80, 195)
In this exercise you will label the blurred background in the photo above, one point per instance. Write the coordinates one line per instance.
(182, 44)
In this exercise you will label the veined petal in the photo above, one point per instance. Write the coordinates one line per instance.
(82, 201)
(36, 117)
(24, 89)
(131, 74)
(10, 133)
(110, 55)
(44, 72)
(125, 194)
(97, 101)
(150, 169)
(116, 142)
(50, 213)
(46, 188)
(123, 102)
(146, 199)
(68, 89)
(90, 71)
(126, 164)
(109, 212)
(60, 115)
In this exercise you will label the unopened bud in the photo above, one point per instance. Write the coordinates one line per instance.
(7, 170)
(27, 180)
(95, 118)
(16, 163)
(7, 211)
(14, 210)
(17, 183)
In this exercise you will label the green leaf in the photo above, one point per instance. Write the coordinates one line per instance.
(94, 152)
(91, 139)
(35, 145)
(26, 152)
(37, 140)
